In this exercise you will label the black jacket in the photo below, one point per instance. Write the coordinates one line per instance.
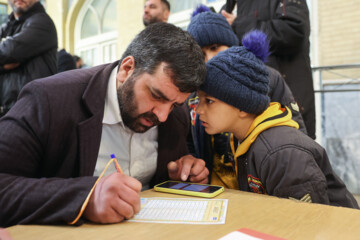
(288, 27)
(284, 162)
(31, 41)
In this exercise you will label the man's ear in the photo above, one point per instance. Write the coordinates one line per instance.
(166, 15)
(242, 114)
(126, 68)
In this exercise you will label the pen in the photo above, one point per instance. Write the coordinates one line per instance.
(118, 169)
(117, 166)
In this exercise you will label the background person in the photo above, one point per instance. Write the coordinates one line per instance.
(78, 61)
(28, 49)
(156, 11)
(287, 25)
(65, 61)
(213, 33)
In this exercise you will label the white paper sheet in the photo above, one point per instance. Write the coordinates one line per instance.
(182, 210)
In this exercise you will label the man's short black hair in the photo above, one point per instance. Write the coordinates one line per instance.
(165, 43)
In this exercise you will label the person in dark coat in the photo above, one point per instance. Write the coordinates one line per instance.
(272, 156)
(213, 33)
(287, 25)
(65, 61)
(28, 49)
(56, 142)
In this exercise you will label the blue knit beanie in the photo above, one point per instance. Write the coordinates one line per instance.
(209, 28)
(239, 77)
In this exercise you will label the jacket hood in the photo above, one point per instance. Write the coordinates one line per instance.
(275, 115)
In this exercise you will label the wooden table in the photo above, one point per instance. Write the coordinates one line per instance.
(280, 217)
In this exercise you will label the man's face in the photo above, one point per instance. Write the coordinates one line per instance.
(155, 11)
(21, 6)
(79, 63)
(146, 100)
(212, 50)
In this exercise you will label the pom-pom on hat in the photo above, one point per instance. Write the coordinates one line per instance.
(209, 28)
(239, 77)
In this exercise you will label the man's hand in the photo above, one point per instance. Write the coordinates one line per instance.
(115, 198)
(11, 66)
(188, 167)
(229, 16)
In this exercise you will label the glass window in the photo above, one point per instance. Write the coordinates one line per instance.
(99, 18)
(178, 6)
(96, 32)
(99, 5)
(3, 13)
(90, 26)
(109, 21)
(70, 2)
(182, 10)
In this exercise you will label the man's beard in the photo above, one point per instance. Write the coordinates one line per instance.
(19, 10)
(128, 108)
(151, 20)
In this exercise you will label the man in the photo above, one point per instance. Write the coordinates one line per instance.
(156, 11)
(287, 25)
(60, 134)
(78, 61)
(28, 49)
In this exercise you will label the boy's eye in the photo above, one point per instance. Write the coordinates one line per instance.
(214, 47)
(209, 101)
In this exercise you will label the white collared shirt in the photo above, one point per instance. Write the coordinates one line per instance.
(136, 152)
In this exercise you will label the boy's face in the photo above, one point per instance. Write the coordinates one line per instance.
(212, 50)
(216, 116)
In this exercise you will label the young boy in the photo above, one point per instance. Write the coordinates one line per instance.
(214, 34)
(273, 157)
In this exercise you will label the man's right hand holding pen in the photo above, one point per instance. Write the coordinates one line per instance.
(117, 197)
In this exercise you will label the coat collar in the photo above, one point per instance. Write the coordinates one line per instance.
(95, 92)
(90, 129)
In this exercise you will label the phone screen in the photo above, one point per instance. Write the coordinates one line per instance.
(190, 187)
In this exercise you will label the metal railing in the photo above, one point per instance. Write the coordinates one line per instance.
(329, 69)
(338, 117)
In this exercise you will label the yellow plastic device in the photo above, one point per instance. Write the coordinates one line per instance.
(191, 189)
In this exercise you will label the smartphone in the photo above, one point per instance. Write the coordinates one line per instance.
(191, 189)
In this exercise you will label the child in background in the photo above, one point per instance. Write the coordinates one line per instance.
(214, 34)
(273, 157)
